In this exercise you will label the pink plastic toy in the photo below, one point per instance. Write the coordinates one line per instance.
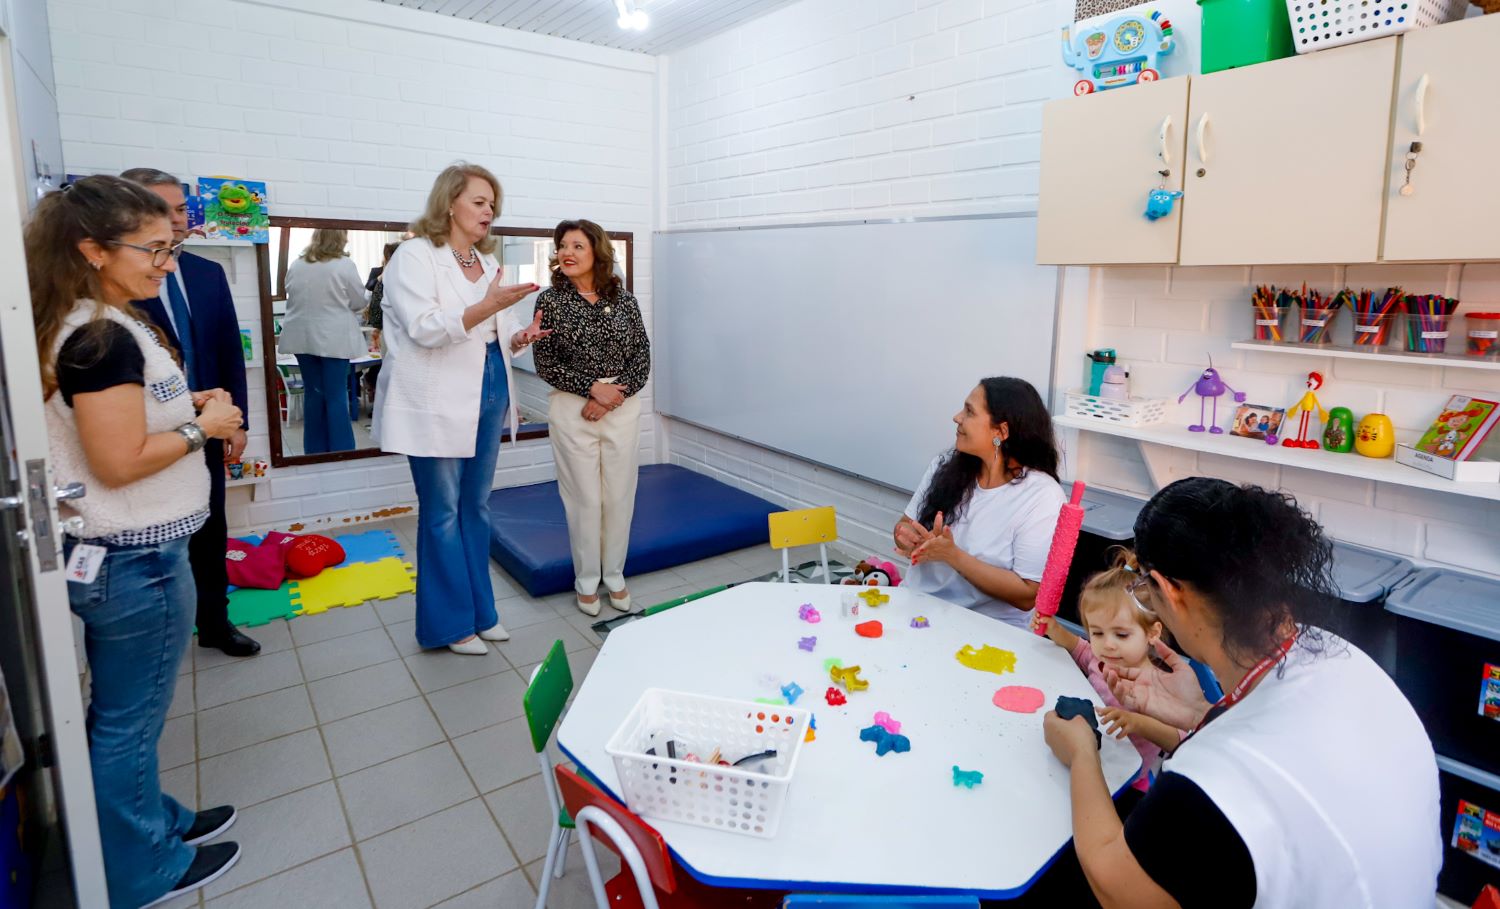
(808, 613)
(884, 719)
(1059, 558)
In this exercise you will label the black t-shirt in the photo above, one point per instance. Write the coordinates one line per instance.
(99, 355)
(1189, 848)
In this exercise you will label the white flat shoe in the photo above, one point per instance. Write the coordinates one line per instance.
(620, 603)
(588, 609)
(471, 647)
(495, 632)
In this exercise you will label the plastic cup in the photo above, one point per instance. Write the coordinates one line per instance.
(1314, 327)
(1270, 323)
(1427, 333)
(1372, 330)
(1483, 334)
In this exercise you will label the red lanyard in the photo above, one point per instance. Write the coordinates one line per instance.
(1239, 691)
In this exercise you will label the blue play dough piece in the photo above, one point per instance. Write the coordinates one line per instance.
(1067, 708)
(885, 740)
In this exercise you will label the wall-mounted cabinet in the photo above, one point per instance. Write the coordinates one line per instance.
(1296, 161)
(1446, 100)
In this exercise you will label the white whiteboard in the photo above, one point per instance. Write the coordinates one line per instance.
(851, 345)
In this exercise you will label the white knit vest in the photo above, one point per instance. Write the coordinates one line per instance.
(164, 506)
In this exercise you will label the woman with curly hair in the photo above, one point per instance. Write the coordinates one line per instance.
(978, 528)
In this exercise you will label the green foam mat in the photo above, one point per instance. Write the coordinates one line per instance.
(259, 607)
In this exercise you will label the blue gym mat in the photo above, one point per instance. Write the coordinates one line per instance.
(680, 516)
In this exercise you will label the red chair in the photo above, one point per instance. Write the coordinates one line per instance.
(1489, 898)
(648, 879)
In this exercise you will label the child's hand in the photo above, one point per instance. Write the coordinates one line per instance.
(1120, 722)
(1059, 635)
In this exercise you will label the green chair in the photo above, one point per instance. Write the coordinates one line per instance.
(546, 695)
(673, 604)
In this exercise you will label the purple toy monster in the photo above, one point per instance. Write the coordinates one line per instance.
(1209, 385)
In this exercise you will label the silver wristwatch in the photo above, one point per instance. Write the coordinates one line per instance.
(193, 434)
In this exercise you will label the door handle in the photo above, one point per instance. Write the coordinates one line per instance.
(1421, 103)
(70, 491)
(1202, 149)
(1166, 155)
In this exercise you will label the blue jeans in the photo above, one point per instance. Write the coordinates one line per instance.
(137, 618)
(325, 405)
(454, 596)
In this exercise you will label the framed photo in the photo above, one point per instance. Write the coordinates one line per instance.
(1258, 421)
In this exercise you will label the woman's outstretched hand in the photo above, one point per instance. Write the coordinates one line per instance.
(1172, 695)
(501, 297)
(530, 334)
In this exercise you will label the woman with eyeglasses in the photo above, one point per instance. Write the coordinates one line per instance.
(1310, 784)
(122, 421)
(978, 529)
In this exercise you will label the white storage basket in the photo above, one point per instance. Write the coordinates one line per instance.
(722, 798)
(1131, 412)
(1317, 24)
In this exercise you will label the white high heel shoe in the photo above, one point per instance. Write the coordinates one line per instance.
(471, 647)
(588, 609)
(620, 603)
(495, 632)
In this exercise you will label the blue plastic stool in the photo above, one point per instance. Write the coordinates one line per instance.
(1206, 680)
(848, 901)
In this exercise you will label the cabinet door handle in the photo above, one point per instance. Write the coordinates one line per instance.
(1166, 155)
(1202, 150)
(1421, 104)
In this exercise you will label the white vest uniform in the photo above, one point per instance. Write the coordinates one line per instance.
(1329, 778)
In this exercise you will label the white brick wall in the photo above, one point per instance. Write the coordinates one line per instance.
(349, 109)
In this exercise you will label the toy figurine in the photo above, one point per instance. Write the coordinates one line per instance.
(1307, 404)
(1376, 437)
(1338, 432)
(875, 572)
(1159, 203)
(1122, 52)
(1209, 385)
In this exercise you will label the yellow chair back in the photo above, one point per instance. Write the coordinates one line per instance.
(803, 527)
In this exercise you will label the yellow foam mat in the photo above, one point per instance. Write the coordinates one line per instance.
(350, 585)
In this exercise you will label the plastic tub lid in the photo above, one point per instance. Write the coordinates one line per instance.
(1366, 575)
(1110, 514)
(1452, 599)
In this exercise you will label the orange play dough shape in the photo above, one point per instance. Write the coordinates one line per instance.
(1020, 699)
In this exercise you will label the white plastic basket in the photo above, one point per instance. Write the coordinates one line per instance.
(1131, 412)
(722, 798)
(1317, 24)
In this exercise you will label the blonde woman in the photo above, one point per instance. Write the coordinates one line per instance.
(597, 363)
(444, 398)
(324, 296)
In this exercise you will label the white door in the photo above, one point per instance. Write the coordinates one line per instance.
(1446, 99)
(1287, 159)
(1101, 155)
(29, 499)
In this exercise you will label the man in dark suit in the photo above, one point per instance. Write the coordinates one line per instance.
(197, 314)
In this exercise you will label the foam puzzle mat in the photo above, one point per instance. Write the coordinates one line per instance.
(374, 568)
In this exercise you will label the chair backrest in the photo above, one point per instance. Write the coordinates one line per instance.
(578, 793)
(803, 527)
(851, 901)
(546, 695)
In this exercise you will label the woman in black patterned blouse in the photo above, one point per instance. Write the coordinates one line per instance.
(597, 360)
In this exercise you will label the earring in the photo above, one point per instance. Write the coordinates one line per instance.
(996, 440)
(97, 265)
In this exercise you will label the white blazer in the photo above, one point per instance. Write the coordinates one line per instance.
(428, 394)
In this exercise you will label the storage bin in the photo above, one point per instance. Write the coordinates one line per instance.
(658, 785)
(1363, 578)
(1317, 24)
(1108, 521)
(1244, 32)
(1470, 827)
(1133, 412)
(1448, 660)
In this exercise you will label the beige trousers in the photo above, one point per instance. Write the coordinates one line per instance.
(596, 475)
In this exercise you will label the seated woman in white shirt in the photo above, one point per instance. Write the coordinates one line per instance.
(978, 529)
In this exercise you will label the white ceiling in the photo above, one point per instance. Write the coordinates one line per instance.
(675, 24)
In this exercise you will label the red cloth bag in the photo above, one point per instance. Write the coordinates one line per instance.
(262, 567)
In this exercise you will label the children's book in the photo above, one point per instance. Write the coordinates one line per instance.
(1460, 429)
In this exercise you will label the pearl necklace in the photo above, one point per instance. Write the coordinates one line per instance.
(469, 260)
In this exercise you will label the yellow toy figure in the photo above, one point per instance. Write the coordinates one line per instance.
(1307, 405)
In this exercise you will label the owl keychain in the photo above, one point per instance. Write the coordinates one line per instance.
(1159, 201)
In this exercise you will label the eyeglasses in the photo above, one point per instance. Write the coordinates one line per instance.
(160, 255)
(1139, 592)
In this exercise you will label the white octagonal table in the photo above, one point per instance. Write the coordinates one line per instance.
(853, 821)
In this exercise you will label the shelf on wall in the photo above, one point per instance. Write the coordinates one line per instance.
(245, 481)
(1173, 436)
(1345, 353)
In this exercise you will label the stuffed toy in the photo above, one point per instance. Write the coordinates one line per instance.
(312, 553)
(873, 572)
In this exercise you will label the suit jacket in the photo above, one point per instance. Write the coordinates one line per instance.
(219, 358)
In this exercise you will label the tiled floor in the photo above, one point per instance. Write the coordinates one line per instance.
(369, 773)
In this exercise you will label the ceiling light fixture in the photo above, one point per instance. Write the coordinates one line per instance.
(632, 18)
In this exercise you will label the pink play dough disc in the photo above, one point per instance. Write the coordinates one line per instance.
(1020, 699)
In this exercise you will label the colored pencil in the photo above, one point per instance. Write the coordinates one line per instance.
(1372, 317)
(1427, 317)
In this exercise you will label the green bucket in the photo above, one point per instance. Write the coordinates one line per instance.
(1244, 32)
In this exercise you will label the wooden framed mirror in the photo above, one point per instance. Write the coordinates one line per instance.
(523, 254)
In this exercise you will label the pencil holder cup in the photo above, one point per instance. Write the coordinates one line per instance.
(1371, 329)
(1270, 322)
(1314, 325)
(1427, 333)
(1483, 334)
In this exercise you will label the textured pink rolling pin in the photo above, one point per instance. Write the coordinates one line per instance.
(1059, 558)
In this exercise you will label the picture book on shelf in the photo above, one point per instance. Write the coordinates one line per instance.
(1460, 429)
